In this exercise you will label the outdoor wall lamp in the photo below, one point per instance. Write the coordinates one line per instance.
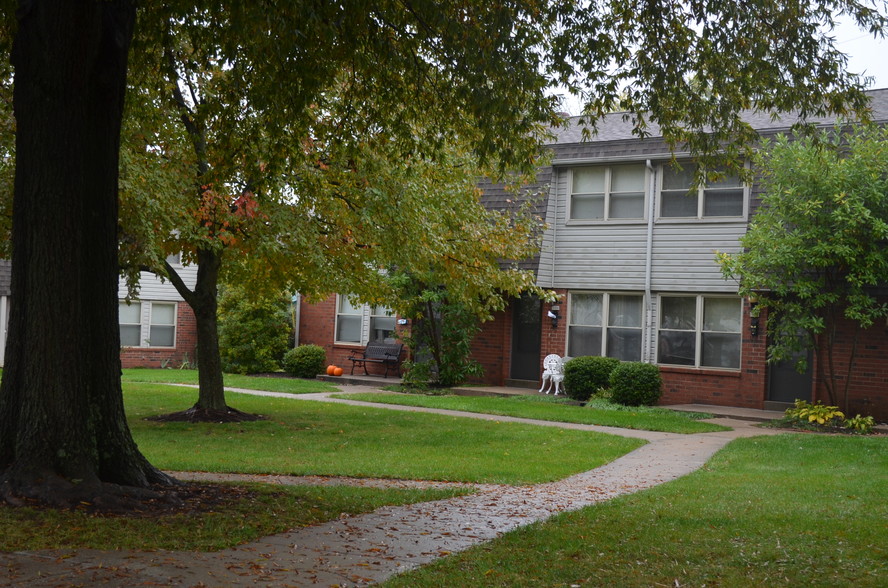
(553, 314)
(753, 316)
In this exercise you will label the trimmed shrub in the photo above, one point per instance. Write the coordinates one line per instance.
(305, 361)
(634, 383)
(584, 376)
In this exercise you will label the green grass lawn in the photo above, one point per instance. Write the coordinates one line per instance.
(305, 437)
(268, 384)
(647, 418)
(789, 510)
(302, 437)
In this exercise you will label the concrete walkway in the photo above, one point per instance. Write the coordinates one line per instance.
(369, 548)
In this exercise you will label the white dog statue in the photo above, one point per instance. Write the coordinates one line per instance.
(553, 373)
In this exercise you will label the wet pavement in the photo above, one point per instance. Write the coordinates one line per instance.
(364, 549)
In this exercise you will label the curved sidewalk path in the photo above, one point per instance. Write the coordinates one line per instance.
(369, 548)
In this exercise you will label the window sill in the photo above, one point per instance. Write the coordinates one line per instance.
(709, 371)
(125, 347)
(669, 220)
(583, 222)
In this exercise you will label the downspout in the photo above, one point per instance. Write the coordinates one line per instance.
(4, 323)
(649, 318)
(554, 229)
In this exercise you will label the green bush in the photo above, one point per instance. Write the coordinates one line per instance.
(636, 384)
(584, 376)
(253, 330)
(305, 361)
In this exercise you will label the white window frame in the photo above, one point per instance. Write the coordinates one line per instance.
(145, 323)
(340, 299)
(701, 199)
(699, 330)
(380, 312)
(152, 324)
(608, 176)
(367, 315)
(605, 319)
(138, 324)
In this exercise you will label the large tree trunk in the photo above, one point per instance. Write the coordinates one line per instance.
(205, 306)
(62, 425)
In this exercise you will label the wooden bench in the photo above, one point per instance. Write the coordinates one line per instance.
(388, 354)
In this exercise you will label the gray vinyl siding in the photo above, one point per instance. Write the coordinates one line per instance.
(611, 255)
(684, 256)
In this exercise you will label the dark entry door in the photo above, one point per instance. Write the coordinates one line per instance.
(526, 332)
(786, 384)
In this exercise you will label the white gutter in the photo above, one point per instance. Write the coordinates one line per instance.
(648, 326)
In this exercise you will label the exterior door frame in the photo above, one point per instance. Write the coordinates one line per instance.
(526, 343)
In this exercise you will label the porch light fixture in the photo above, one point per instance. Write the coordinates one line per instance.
(753, 316)
(553, 314)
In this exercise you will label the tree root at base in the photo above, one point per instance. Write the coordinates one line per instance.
(204, 415)
(55, 491)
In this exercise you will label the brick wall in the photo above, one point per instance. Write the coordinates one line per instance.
(317, 326)
(492, 348)
(868, 393)
(185, 350)
(745, 388)
(554, 340)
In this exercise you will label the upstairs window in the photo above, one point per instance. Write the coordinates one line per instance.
(608, 192)
(724, 198)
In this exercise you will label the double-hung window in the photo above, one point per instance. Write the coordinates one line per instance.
(349, 319)
(130, 324)
(605, 324)
(723, 198)
(162, 325)
(382, 324)
(147, 324)
(608, 192)
(360, 323)
(700, 331)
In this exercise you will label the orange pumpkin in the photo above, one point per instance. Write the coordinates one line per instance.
(330, 369)
(337, 371)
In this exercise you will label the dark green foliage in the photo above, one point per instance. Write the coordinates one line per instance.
(633, 383)
(815, 253)
(253, 330)
(440, 337)
(584, 376)
(305, 361)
